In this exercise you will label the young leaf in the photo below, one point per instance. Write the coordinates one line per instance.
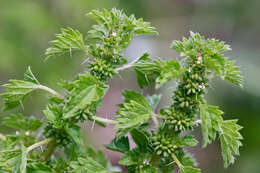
(133, 157)
(135, 111)
(120, 144)
(38, 167)
(211, 118)
(140, 139)
(98, 156)
(189, 141)
(66, 42)
(230, 141)
(20, 122)
(189, 169)
(87, 92)
(88, 164)
(17, 90)
(158, 70)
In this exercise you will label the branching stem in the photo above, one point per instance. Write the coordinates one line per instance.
(38, 144)
(50, 91)
(127, 65)
(104, 120)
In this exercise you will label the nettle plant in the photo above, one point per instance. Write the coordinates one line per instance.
(55, 144)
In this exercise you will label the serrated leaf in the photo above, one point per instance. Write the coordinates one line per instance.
(140, 139)
(189, 169)
(135, 111)
(38, 167)
(230, 140)
(98, 156)
(20, 122)
(88, 164)
(159, 71)
(120, 144)
(67, 41)
(87, 92)
(189, 141)
(211, 118)
(133, 157)
(75, 133)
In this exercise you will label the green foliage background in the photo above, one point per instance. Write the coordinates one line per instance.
(26, 26)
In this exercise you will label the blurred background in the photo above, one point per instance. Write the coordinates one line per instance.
(26, 27)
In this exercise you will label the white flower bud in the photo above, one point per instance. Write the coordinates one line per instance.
(114, 34)
(27, 133)
(17, 133)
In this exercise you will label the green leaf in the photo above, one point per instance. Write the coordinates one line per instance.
(154, 100)
(14, 160)
(87, 92)
(140, 139)
(67, 41)
(133, 157)
(189, 169)
(75, 133)
(230, 141)
(29, 76)
(98, 156)
(20, 122)
(120, 144)
(211, 118)
(157, 70)
(17, 90)
(83, 165)
(189, 141)
(38, 167)
(134, 112)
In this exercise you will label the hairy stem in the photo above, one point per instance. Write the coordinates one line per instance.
(50, 148)
(176, 160)
(127, 65)
(50, 91)
(104, 120)
(38, 144)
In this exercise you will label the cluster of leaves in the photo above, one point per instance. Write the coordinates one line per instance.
(160, 150)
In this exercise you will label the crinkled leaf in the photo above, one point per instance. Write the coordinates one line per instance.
(21, 122)
(159, 71)
(133, 157)
(140, 138)
(67, 41)
(189, 169)
(120, 144)
(87, 92)
(211, 118)
(38, 167)
(75, 133)
(189, 141)
(230, 139)
(88, 164)
(98, 156)
(135, 111)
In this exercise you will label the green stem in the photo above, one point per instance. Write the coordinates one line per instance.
(104, 120)
(50, 148)
(38, 144)
(50, 91)
(176, 160)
